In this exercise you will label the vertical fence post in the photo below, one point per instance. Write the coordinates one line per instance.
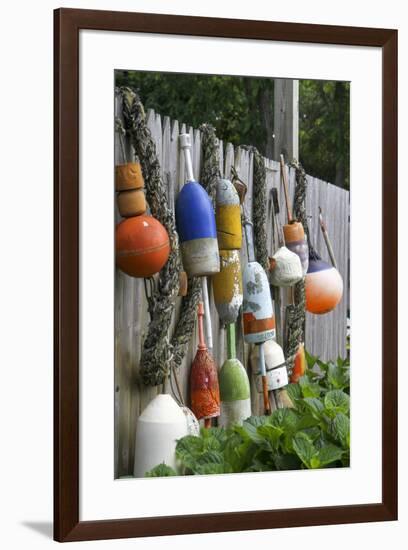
(286, 119)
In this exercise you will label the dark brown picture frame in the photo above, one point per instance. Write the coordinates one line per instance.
(67, 24)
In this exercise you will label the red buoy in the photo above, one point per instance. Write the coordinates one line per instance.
(205, 391)
(142, 246)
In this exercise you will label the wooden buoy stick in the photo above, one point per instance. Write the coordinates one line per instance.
(231, 346)
(262, 368)
(285, 188)
(327, 239)
(207, 313)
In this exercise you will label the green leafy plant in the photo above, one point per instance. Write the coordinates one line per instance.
(315, 433)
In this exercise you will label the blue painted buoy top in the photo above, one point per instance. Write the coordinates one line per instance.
(194, 213)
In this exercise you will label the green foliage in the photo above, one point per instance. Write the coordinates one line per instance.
(315, 433)
(241, 110)
(161, 470)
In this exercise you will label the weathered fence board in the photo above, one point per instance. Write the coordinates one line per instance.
(325, 335)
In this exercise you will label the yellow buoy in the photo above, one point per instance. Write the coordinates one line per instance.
(228, 216)
(227, 286)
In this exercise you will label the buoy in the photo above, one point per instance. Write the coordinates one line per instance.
(323, 286)
(285, 268)
(228, 216)
(299, 366)
(193, 427)
(293, 231)
(227, 286)
(196, 223)
(128, 176)
(204, 386)
(142, 246)
(258, 317)
(275, 366)
(158, 428)
(131, 203)
(234, 387)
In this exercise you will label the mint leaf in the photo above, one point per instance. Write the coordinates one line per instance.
(309, 389)
(337, 377)
(305, 449)
(340, 429)
(161, 470)
(329, 454)
(337, 401)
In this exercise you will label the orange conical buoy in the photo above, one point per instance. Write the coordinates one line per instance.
(205, 392)
(142, 246)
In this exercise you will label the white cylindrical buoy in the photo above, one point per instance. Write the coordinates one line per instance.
(276, 372)
(157, 430)
(258, 317)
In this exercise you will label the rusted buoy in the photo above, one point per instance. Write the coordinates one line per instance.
(142, 246)
(227, 286)
(204, 386)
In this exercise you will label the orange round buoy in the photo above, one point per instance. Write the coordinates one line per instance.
(323, 286)
(142, 246)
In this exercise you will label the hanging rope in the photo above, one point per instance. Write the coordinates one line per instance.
(157, 351)
(296, 313)
(210, 166)
(259, 207)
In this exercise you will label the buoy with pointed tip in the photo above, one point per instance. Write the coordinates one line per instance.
(258, 317)
(234, 387)
(228, 216)
(142, 246)
(227, 286)
(158, 428)
(299, 366)
(195, 221)
(275, 366)
(323, 286)
(204, 386)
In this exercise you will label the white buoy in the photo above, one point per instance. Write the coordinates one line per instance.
(275, 366)
(157, 430)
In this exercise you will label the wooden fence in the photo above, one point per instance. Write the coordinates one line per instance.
(325, 335)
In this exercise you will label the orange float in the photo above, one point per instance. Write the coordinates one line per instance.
(323, 286)
(299, 367)
(142, 246)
